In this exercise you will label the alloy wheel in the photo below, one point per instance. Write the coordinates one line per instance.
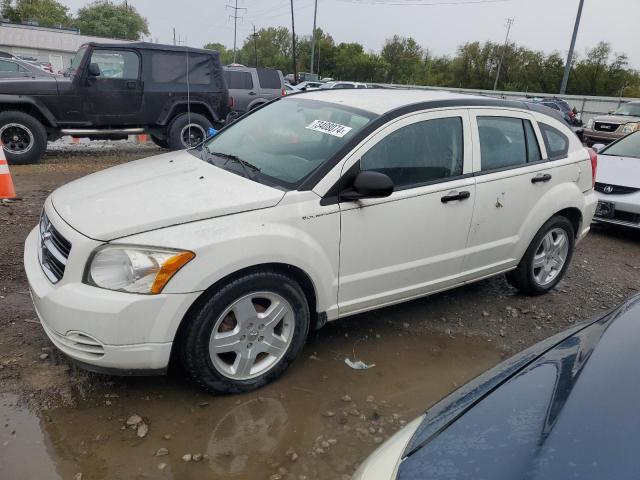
(192, 134)
(251, 335)
(550, 256)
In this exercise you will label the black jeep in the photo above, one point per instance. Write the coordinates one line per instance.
(175, 94)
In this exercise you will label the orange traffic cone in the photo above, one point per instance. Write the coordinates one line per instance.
(6, 184)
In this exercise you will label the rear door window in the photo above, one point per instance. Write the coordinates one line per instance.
(238, 80)
(269, 78)
(6, 66)
(506, 142)
(556, 142)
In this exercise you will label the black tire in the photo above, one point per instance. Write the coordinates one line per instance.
(162, 143)
(24, 137)
(200, 124)
(523, 277)
(194, 339)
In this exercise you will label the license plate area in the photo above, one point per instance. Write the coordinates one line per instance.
(606, 209)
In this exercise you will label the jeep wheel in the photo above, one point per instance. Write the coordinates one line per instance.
(188, 131)
(24, 137)
(245, 334)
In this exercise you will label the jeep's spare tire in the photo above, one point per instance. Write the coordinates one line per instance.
(23, 136)
(187, 131)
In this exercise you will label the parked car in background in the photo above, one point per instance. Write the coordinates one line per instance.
(15, 68)
(229, 253)
(291, 89)
(304, 86)
(608, 128)
(564, 408)
(251, 87)
(618, 182)
(112, 91)
(562, 106)
(339, 84)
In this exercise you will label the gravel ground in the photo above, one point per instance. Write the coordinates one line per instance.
(488, 320)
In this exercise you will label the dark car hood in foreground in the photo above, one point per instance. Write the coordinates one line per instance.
(572, 411)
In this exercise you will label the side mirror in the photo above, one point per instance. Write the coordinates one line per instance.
(368, 184)
(598, 147)
(94, 70)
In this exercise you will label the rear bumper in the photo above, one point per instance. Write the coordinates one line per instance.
(113, 331)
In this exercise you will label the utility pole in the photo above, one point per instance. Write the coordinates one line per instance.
(255, 45)
(235, 17)
(504, 51)
(293, 44)
(174, 35)
(567, 67)
(313, 35)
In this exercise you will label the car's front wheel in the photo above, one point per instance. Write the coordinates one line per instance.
(23, 136)
(245, 334)
(547, 258)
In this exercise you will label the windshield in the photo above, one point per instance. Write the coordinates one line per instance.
(76, 60)
(285, 141)
(629, 109)
(628, 146)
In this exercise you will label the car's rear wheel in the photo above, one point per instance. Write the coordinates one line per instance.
(547, 258)
(24, 138)
(245, 334)
(188, 130)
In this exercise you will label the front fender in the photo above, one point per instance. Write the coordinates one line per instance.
(32, 102)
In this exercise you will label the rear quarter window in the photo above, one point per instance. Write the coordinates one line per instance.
(556, 142)
(238, 80)
(269, 78)
(171, 67)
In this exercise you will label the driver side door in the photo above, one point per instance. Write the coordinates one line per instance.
(412, 242)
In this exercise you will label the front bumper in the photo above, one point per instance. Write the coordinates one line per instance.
(627, 209)
(601, 137)
(107, 330)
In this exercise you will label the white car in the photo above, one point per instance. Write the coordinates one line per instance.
(318, 206)
(618, 182)
(338, 84)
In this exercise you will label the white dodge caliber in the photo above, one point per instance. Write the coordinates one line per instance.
(317, 206)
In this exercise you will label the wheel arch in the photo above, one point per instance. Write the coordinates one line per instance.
(574, 215)
(295, 273)
(178, 108)
(38, 112)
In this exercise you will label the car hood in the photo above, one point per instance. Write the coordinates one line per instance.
(156, 192)
(46, 84)
(616, 119)
(614, 170)
(570, 413)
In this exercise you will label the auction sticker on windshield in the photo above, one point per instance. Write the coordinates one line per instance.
(330, 128)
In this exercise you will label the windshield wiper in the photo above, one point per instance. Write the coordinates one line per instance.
(243, 163)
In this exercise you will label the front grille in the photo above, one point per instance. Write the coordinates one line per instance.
(615, 189)
(54, 250)
(606, 127)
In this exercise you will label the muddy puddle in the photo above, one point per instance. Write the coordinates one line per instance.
(318, 422)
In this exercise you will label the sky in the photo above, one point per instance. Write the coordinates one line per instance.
(438, 25)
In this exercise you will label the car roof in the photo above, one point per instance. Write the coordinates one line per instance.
(384, 100)
(153, 46)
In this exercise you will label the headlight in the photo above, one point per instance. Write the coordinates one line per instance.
(590, 123)
(134, 269)
(630, 127)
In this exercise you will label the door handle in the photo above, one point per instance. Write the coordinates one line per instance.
(453, 196)
(252, 93)
(541, 178)
(132, 85)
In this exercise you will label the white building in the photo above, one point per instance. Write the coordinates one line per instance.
(54, 45)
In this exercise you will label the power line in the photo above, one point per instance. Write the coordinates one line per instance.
(417, 3)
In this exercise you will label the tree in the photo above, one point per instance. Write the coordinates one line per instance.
(47, 13)
(226, 54)
(104, 18)
(404, 59)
